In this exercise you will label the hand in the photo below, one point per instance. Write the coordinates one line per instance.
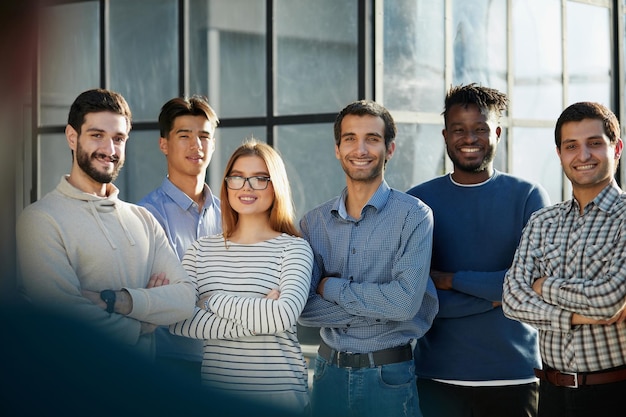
(320, 286)
(200, 302)
(618, 317)
(538, 284)
(442, 280)
(273, 294)
(157, 280)
(147, 328)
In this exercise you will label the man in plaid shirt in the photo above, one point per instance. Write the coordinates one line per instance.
(568, 277)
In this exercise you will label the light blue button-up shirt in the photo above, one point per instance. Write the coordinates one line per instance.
(183, 223)
(382, 295)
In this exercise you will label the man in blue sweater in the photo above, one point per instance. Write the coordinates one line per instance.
(473, 360)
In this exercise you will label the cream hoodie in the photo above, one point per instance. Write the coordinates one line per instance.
(70, 240)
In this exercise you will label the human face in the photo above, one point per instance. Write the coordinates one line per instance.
(471, 139)
(188, 147)
(361, 150)
(248, 201)
(587, 156)
(99, 149)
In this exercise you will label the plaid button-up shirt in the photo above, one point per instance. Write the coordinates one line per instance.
(584, 260)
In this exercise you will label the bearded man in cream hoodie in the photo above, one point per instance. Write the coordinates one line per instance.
(86, 253)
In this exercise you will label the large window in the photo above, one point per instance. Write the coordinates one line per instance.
(279, 70)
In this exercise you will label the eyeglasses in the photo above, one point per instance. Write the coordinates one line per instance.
(256, 183)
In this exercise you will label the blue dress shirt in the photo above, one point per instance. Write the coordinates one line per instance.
(183, 223)
(381, 295)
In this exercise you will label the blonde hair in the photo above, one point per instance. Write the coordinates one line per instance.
(282, 212)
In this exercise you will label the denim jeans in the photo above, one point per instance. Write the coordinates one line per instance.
(387, 390)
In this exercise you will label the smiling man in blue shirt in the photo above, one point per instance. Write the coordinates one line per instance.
(370, 292)
(184, 204)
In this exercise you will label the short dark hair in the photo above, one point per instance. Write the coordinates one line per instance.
(95, 101)
(588, 110)
(182, 106)
(485, 98)
(367, 107)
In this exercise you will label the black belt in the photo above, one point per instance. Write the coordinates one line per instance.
(580, 379)
(365, 360)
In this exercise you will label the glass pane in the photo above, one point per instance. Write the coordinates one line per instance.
(535, 159)
(143, 41)
(69, 57)
(56, 164)
(419, 156)
(145, 166)
(537, 48)
(227, 140)
(589, 53)
(479, 46)
(227, 55)
(316, 55)
(414, 55)
(314, 173)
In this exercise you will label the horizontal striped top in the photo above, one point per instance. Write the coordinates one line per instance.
(251, 347)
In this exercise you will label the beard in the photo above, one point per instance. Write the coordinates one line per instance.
(473, 166)
(84, 161)
(364, 176)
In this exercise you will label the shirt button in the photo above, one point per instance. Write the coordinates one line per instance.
(351, 278)
(353, 251)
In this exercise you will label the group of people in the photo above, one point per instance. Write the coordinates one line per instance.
(471, 284)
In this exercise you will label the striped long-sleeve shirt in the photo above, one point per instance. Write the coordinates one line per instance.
(251, 347)
(583, 258)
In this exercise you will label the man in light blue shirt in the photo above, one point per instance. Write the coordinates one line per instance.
(184, 205)
(370, 293)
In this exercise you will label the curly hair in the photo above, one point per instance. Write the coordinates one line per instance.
(485, 98)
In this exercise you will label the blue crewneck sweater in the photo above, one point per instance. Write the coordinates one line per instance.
(477, 229)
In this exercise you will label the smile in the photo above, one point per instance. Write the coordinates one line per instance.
(469, 150)
(585, 167)
(360, 162)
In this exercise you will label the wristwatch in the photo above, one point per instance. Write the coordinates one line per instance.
(108, 296)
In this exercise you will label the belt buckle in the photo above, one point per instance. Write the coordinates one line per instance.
(575, 375)
(342, 358)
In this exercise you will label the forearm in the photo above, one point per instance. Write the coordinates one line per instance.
(598, 298)
(480, 284)
(453, 304)
(321, 313)
(206, 325)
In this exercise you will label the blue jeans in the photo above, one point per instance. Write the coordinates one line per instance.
(387, 390)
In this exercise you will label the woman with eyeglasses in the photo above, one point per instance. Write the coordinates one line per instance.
(253, 282)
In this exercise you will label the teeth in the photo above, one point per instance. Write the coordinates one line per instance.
(584, 167)
(360, 162)
(470, 150)
(247, 198)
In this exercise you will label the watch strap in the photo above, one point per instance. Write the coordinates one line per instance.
(108, 296)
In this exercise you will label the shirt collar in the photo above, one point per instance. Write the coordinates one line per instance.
(606, 200)
(377, 200)
(179, 197)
